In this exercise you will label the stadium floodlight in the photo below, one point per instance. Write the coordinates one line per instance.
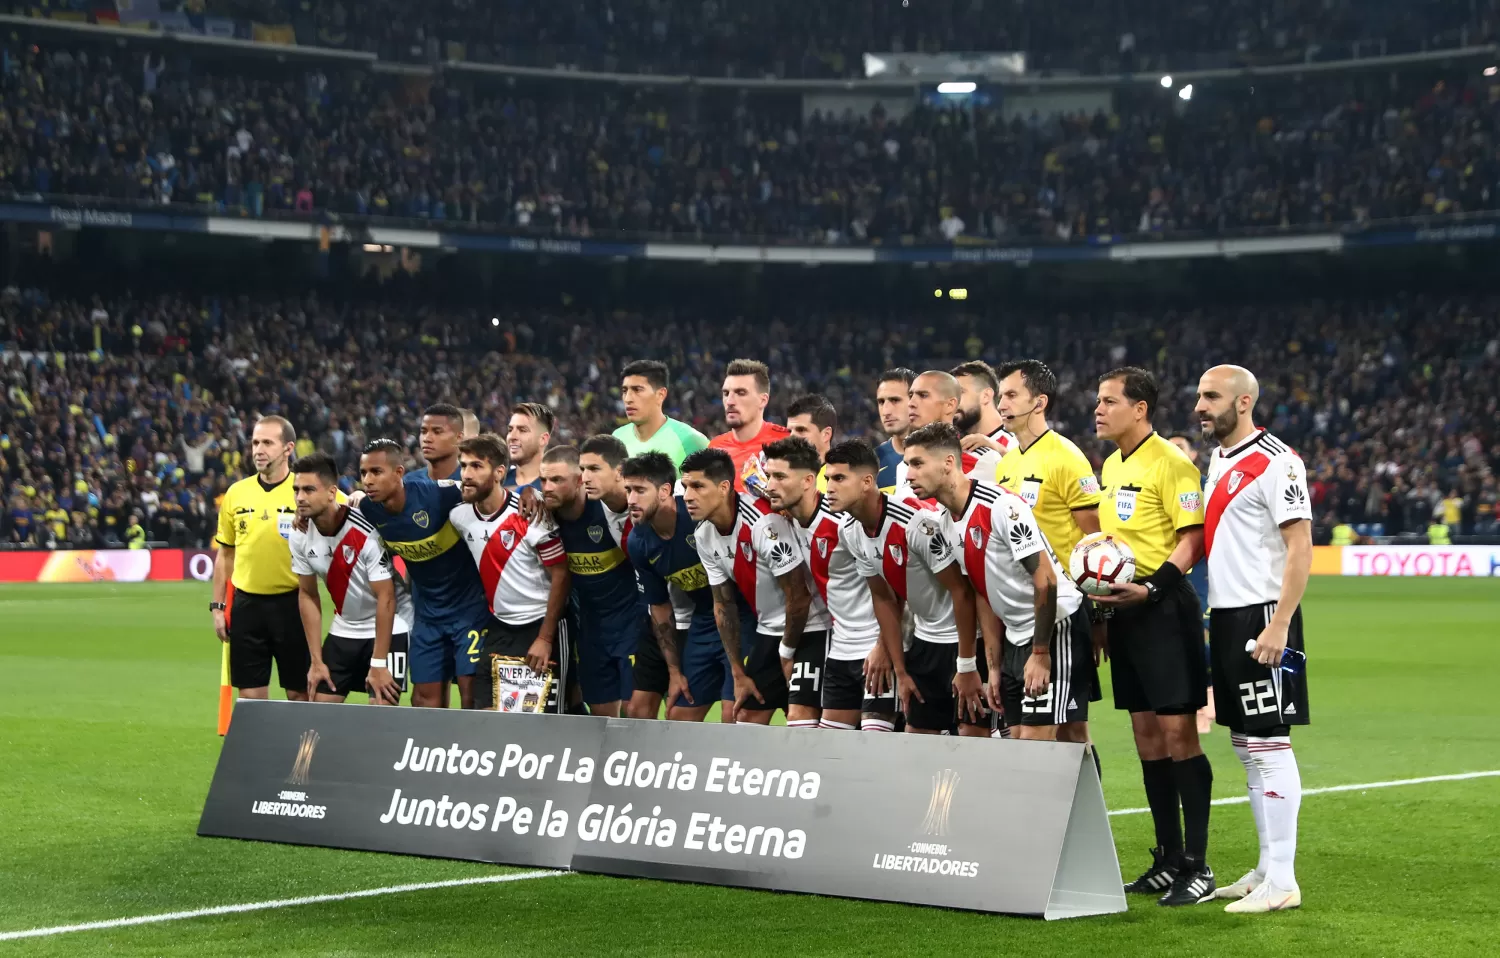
(1186, 93)
(1491, 71)
(958, 294)
(874, 66)
(957, 87)
(1166, 82)
(494, 320)
(937, 294)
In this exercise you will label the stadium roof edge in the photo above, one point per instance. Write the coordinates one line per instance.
(1031, 82)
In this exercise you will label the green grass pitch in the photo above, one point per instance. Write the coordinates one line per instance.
(107, 745)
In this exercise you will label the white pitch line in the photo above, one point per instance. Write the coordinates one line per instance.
(279, 903)
(524, 876)
(1243, 799)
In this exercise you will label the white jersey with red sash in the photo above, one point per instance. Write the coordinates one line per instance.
(1252, 490)
(910, 548)
(513, 555)
(841, 586)
(758, 548)
(347, 562)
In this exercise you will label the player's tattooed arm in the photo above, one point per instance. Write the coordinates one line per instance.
(798, 605)
(664, 627)
(727, 617)
(1044, 583)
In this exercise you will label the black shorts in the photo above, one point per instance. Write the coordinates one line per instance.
(1156, 655)
(932, 666)
(763, 664)
(514, 641)
(1251, 698)
(262, 628)
(806, 686)
(1073, 677)
(348, 662)
(648, 666)
(844, 689)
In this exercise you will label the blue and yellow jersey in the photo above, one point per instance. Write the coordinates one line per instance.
(889, 460)
(609, 603)
(445, 584)
(425, 473)
(660, 561)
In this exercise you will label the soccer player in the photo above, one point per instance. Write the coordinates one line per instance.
(934, 397)
(441, 431)
(607, 601)
(530, 431)
(372, 605)
(1198, 579)
(524, 570)
(694, 671)
(753, 562)
(813, 418)
(792, 467)
(892, 402)
(452, 616)
(471, 423)
(747, 390)
(866, 668)
(1152, 501)
(934, 454)
(1258, 538)
(1056, 480)
(255, 520)
(643, 387)
(978, 418)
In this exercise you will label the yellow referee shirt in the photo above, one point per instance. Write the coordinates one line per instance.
(256, 522)
(1148, 497)
(1054, 477)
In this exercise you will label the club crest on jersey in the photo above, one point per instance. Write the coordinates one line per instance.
(596, 533)
(421, 518)
(508, 538)
(1234, 480)
(1124, 503)
(822, 547)
(976, 537)
(898, 555)
(1190, 501)
(747, 552)
(348, 553)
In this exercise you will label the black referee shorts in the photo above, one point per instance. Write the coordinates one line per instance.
(1156, 655)
(263, 628)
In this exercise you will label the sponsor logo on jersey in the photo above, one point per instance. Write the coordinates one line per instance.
(781, 552)
(421, 518)
(1294, 496)
(1089, 485)
(1190, 501)
(1124, 504)
(1021, 534)
(938, 546)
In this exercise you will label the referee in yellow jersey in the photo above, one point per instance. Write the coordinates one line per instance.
(1152, 500)
(1057, 481)
(255, 520)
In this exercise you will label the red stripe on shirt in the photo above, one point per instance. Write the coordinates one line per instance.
(341, 569)
(1248, 469)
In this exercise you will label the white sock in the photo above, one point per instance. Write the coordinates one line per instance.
(876, 725)
(842, 726)
(802, 723)
(1283, 798)
(1255, 787)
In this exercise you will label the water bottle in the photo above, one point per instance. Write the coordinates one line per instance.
(1292, 661)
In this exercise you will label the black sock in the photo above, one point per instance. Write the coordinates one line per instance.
(1195, 784)
(1161, 795)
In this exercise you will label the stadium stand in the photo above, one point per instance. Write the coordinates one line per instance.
(1391, 402)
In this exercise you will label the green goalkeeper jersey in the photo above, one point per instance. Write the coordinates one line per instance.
(676, 439)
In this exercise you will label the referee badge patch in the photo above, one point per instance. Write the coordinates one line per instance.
(1089, 485)
(1190, 501)
(1124, 503)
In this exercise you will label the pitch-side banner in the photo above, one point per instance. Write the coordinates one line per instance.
(999, 826)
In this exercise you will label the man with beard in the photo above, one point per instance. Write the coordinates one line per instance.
(892, 396)
(747, 390)
(978, 418)
(606, 600)
(452, 617)
(530, 430)
(524, 571)
(1258, 540)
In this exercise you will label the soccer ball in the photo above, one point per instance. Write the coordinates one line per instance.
(1100, 561)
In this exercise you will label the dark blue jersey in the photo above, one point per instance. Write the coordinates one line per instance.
(659, 561)
(445, 586)
(510, 482)
(889, 460)
(609, 602)
(425, 473)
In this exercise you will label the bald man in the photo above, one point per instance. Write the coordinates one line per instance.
(933, 397)
(471, 423)
(1258, 542)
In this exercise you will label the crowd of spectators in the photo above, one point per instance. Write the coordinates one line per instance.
(793, 38)
(128, 407)
(598, 160)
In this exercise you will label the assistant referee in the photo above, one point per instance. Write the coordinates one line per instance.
(1152, 501)
(255, 521)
